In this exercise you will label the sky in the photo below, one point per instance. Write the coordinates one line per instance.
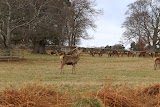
(109, 30)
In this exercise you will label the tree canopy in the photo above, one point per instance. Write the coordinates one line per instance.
(46, 21)
(143, 23)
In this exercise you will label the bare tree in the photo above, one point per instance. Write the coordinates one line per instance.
(15, 14)
(39, 19)
(143, 22)
(82, 16)
(44, 20)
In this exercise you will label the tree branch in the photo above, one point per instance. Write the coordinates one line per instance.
(27, 23)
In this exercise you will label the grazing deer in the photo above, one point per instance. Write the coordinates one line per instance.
(113, 53)
(92, 53)
(70, 60)
(142, 54)
(156, 62)
(100, 52)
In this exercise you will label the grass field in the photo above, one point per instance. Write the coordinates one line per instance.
(91, 72)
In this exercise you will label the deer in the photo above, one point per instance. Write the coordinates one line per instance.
(142, 54)
(156, 62)
(92, 53)
(113, 53)
(70, 60)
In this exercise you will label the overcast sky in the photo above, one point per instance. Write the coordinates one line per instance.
(109, 31)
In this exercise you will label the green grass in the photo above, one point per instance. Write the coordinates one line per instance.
(91, 72)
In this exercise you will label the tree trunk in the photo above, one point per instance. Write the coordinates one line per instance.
(7, 40)
(155, 35)
(39, 47)
(42, 49)
(3, 42)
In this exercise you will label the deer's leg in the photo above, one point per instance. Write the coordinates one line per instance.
(155, 66)
(118, 55)
(109, 55)
(62, 65)
(73, 68)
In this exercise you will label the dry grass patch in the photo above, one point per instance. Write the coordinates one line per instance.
(32, 95)
(127, 97)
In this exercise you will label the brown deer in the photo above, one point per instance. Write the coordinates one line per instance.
(142, 54)
(92, 53)
(113, 53)
(100, 53)
(156, 62)
(70, 60)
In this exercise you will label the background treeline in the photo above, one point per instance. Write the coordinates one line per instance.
(142, 25)
(43, 22)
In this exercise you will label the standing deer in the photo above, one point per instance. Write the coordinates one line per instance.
(156, 62)
(70, 60)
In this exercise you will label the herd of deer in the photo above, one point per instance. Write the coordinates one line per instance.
(74, 56)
